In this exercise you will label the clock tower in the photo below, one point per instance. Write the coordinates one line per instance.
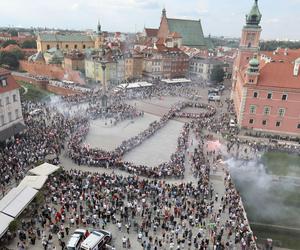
(249, 44)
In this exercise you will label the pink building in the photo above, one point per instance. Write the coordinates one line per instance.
(266, 85)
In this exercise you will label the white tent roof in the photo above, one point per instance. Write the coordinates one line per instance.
(178, 80)
(17, 200)
(44, 170)
(134, 85)
(5, 220)
(36, 182)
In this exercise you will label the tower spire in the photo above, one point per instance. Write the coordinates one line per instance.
(99, 28)
(254, 17)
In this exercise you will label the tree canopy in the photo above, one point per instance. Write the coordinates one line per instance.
(217, 74)
(8, 42)
(29, 44)
(273, 45)
(9, 59)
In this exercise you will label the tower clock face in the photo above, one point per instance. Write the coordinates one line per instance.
(251, 37)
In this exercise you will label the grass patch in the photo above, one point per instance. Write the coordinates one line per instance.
(282, 164)
(34, 93)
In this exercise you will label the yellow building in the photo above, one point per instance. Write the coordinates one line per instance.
(67, 42)
(133, 66)
(94, 71)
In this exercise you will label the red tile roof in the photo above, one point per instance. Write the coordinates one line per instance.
(11, 82)
(292, 54)
(151, 32)
(278, 74)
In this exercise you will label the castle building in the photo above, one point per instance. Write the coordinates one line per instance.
(265, 86)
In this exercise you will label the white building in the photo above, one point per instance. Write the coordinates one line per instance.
(11, 119)
(200, 67)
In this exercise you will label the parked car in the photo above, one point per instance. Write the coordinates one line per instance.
(214, 98)
(76, 239)
(213, 91)
(221, 87)
(97, 240)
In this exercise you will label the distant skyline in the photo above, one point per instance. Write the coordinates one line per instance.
(219, 17)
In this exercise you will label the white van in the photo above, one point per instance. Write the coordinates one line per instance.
(232, 123)
(96, 240)
(76, 239)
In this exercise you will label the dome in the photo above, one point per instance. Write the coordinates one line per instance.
(254, 62)
(254, 17)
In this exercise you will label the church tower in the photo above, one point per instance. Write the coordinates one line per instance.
(99, 41)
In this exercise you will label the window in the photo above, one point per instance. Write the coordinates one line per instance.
(83, 46)
(1, 103)
(281, 112)
(251, 81)
(269, 96)
(57, 46)
(9, 117)
(267, 110)
(48, 46)
(264, 122)
(3, 83)
(252, 109)
(2, 120)
(14, 98)
(75, 46)
(17, 113)
(7, 100)
(255, 94)
(251, 121)
(67, 46)
(284, 97)
(278, 124)
(298, 126)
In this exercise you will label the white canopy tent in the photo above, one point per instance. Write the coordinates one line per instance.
(44, 170)
(17, 200)
(36, 182)
(178, 80)
(5, 220)
(134, 85)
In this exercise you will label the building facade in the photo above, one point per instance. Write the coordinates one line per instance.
(164, 62)
(201, 68)
(266, 86)
(11, 119)
(133, 66)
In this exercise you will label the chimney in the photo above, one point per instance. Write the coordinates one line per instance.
(296, 67)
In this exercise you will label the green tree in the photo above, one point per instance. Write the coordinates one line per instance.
(18, 53)
(8, 42)
(217, 74)
(9, 59)
(14, 225)
(13, 32)
(29, 44)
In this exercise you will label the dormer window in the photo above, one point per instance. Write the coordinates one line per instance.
(3, 83)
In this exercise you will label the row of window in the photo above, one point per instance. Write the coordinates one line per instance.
(9, 114)
(267, 110)
(66, 46)
(7, 100)
(269, 96)
(265, 122)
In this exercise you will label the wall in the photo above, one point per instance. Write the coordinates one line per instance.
(51, 71)
(290, 120)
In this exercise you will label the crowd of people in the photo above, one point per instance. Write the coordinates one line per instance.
(163, 215)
